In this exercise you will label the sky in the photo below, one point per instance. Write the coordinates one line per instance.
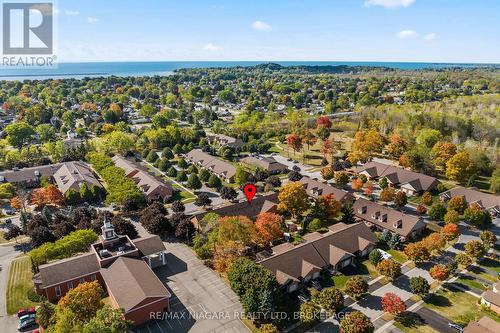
(278, 30)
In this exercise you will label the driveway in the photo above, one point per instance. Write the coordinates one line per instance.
(435, 320)
(303, 167)
(200, 302)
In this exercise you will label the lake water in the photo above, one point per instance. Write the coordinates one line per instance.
(89, 69)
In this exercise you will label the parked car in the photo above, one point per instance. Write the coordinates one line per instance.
(26, 311)
(27, 324)
(303, 298)
(456, 326)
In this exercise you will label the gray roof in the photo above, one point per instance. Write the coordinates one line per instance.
(399, 176)
(395, 221)
(316, 188)
(131, 281)
(212, 163)
(266, 163)
(223, 139)
(146, 182)
(149, 245)
(291, 263)
(472, 195)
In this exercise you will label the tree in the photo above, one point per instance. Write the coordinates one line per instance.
(428, 137)
(356, 322)
(326, 208)
(450, 231)
(330, 299)
(172, 172)
(83, 301)
(463, 259)
(214, 182)
(228, 193)
(366, 143)
(475, 249)
(108, 320)
(294, 176)
(421, 209)
(393, 304)
(375, 257)
(495, 181)
(395, 241)
(341, 178)
(452, 217)
(184, 230)
(153, 219)
(45, 314)
(417, 252)
(357, 184)
(434, 242)
(293, 198)
(439, 272)
(387, 194)
(397, 146)
(124, 227)
(356, 287)
(240, 177)
(478, 216)
(389, 268)
(203, 200)
(40, 235)
(268, 328)
(383, 183)
(419, 285)
(426, 199)
(327, 173)
(269, 227)
(309, 312)
(400, 199)
(181, 176)
(458, 204)
(19, 133)
(294, 141)
(193, 182)
(347, 211)
(204, 175)
(488, 238)
(442, 152)
(460, 167)
(437, 212)
(13, 232)
(178, 206)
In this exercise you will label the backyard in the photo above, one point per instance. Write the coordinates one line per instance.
(19, 284)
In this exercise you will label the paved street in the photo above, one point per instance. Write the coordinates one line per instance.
(200, 302)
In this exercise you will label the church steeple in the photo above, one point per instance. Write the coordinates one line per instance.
(108, 232)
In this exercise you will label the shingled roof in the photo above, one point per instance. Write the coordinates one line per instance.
(399, 176)
(67, 269)
(387, 218)
(472, 195)
(265, 163)
(212, 163)
(292, 263)
(316, 188)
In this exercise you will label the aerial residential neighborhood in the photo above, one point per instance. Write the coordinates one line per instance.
(251, 185)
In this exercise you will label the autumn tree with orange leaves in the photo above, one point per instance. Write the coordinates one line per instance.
(269, 227)
(294, 141)
(393, 304)
(49, 195)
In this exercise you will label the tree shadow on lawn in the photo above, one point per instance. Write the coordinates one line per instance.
(410, 320)
(437, 300)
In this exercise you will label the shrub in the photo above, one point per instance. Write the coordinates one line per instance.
(389, 268)
(375, 257)
(437, 211)
(452, 217)
(426, 199)
(356, 287)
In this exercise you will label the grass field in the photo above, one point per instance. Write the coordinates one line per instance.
(483, 274)
(19, 284)
(472, 283)
(457, 305)
(413, 324)
(490, 264)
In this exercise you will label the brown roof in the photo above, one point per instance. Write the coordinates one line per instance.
(316, 188)
(149, 245)
(263, 204)
(399, 176)
(472, 195)
(131, 281)
(225, 140)
(492, 296)
(67, 269)
(146, 182)
(395, 220)
(265, 163)
(483, 325)
(212, 163)
(298, 261)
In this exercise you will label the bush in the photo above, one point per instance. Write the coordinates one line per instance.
(375, 257)
(356, 287)
(34, 297)
(437, 212)
(314, 225)
(389, 268)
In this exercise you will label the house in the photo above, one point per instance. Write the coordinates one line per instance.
(121, 265)
(151, 187)
(293, 265)
(211, 163)
(263, 204)
(489, 202)
(491, 298)
(408, 181)
(384, 218)
(315, 189)
(67, 175)
(483, 325)
(224, 140)
(268, 164)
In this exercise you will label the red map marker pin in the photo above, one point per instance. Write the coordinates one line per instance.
(249, 191)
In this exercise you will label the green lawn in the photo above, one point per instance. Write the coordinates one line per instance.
(472, 283)
(339, 281)
(457, 305)
(483, 274)
(399, 256)
(412, 323)
(19, 284)
(490, 264)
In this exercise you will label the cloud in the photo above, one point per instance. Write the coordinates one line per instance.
(430, 36)
(92, 19)
(261, 26)
(407, 34)
(210, 47)
(389, 3)
(71, 12)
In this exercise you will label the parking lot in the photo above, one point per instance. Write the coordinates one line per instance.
(200, 302)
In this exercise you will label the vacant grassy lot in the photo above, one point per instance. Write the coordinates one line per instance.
(412, 323)
(457, 305)
(19, 284)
